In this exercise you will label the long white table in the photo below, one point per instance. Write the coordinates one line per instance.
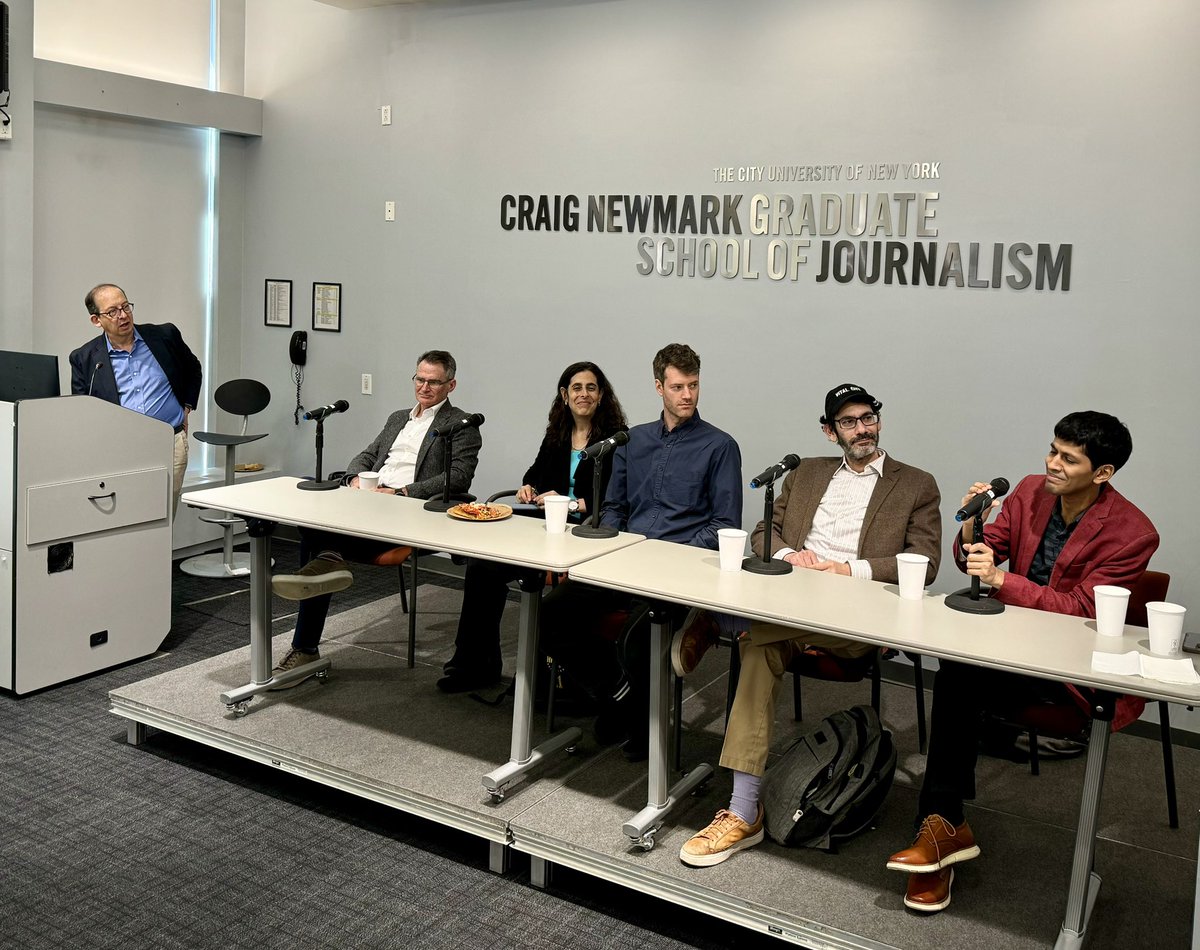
(1034, 642)
(399, 520)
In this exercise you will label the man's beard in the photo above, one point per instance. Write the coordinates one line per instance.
(865, 448)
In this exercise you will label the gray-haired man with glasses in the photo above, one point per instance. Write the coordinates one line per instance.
(849, 514)
(147, 368)
(408, 463)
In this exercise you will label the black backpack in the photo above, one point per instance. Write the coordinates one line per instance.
(831, 782)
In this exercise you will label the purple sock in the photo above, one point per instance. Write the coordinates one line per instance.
(744, 802)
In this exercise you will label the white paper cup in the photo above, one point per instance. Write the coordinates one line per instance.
(1111, 604)
(1166, 628)
(557, 507)
(911, 568)
(731, 543)
(368, 480)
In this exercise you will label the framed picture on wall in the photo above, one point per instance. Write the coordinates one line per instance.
(327, 307)
(277, 303)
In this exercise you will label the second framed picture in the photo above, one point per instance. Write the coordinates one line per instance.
(327, 307)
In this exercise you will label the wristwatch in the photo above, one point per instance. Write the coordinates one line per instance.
(573, 506)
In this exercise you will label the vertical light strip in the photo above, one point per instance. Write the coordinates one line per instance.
(208, 264)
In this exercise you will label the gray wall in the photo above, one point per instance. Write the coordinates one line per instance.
(16, 189)
(1073, 122)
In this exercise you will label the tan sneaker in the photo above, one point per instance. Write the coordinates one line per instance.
(690, 644)
(726, 835)
(321, 575)
(291, 660)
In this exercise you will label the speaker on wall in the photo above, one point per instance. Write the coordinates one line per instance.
(3, 46)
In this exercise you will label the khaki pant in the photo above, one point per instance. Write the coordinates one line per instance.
(767, 653)
(178, 469)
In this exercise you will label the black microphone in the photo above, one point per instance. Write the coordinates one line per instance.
(92, 381)
(979, 502)
(597, 450)
(473, 421)
(318, 414)
(785, 464)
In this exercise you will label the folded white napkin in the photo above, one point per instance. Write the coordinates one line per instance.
(1162, 668)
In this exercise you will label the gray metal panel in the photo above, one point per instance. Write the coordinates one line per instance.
(95, 90)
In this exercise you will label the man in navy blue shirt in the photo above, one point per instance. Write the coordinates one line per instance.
(678, 479)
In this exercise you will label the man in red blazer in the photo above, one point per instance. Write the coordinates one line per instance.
(1061, 533)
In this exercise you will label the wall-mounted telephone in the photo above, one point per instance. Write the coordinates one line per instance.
(3, 47)
(298, 348)
(298, 354)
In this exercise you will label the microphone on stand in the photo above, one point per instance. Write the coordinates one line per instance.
(473, 421)
(92, 381)
(597, 450)
(785, 464)
(968, 600)
(318, 414)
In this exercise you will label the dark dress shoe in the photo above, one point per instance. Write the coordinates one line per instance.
(939, 844)
(929, 893)
(462, 681)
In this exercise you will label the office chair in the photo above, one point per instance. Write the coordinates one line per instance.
(238, 397)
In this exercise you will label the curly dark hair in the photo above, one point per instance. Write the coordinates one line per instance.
(609, 417)
(679, 355)
(1104, 439)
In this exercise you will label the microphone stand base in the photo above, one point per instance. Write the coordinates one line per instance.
(312, 485)
(962, 601)
(587, 531)
(436, 504)
(774, 566)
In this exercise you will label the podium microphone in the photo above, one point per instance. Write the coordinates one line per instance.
(318, 414)
(785, 464)
(473, 421)
(92, 381)
(597, 450)
(981, 501)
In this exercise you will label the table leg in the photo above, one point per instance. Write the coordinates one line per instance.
(1085, 882)
(261, 680)
(523, 759)
(661, 798)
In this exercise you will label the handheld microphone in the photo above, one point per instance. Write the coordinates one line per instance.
(318, 414)
(473, 421)
(981, 501)
(785, 464)
(92, 381)
(597, 450)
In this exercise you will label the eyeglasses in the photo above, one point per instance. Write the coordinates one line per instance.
(422, 382)
(115, 312)
(850, 423)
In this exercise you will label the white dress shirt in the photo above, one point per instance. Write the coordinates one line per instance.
(400, 469)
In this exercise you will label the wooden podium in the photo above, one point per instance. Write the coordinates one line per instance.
(85, 538)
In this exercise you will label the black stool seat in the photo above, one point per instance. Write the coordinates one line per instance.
(226, 438)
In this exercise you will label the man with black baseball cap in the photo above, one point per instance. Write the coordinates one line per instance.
(849, 514)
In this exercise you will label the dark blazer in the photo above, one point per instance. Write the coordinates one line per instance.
(180, 365)
(431, 461)
(902, 516)
(551, 471)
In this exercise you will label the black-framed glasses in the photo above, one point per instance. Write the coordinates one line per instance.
(850, 423)
(115, 312)
(431, 383)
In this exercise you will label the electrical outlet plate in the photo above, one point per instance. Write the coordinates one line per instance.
(389, 211)
(385, 115)
(366, 384)
(5, 130)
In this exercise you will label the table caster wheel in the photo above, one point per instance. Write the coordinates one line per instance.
(321, 677)
(497, 797)
(239, 709)
(646, 841)
(571, 749)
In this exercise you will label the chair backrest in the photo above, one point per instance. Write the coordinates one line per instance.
(242, 397)
(1152, 585)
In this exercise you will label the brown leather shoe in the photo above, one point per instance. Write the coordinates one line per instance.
(929, 892)
(700, 631)
(938, 845)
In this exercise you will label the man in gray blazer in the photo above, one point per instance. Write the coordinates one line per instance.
(409, 462)
(847, 515)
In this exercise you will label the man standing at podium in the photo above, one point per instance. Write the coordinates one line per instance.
(146, 368)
